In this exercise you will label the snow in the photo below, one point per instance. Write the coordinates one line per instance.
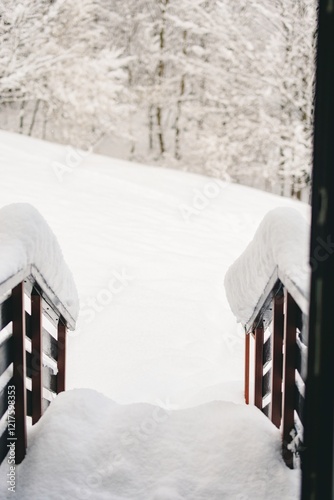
(281, 241)
(148, 249)
(26, 239)
(88, 447)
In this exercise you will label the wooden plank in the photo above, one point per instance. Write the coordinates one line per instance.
(247, 359)
(266, 384)
(50, 347)
(45, 403)
(61, 363)
(277, 367)
(19, 370)
(36, 356)
(49, 380)
(259, 332)
(299, 404)
(49, 343)
(29, 403)
(267, 351)
(5, 313)
(289, 376)
(266, 410)
(6, 354)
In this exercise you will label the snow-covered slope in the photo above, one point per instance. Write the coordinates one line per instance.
(149, 249)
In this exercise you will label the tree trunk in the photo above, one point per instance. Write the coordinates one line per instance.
(21, 116)
(34, 117)
(179, 103)
(161, 74)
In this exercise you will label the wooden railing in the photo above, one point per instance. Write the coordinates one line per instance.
(277, 336)
(33, 324)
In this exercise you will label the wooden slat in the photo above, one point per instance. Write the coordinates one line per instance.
(29, 403)
(50, 347)
(299, 404)
(301, 363)
(266, 384)
(61, 356)
(277, 367)
(45, 403)
(289, 376)
(247, 359)
(19, 369)
(266, 410)
(49, 380)
(36, 356)
(49, 342)
(6, 354)
(266, 351)
(258, 366)
(5, 313)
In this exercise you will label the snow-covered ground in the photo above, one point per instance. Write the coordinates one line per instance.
(149, 249)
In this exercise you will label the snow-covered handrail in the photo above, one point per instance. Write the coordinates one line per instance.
(279, 250)
(28, 247)
(38, 301)
(269, 284)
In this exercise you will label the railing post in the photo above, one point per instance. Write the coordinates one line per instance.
(19, 372)
(61, 362)
(36, 356)
(288, 375)
(247, 356)
(259, 335)
(277, 367)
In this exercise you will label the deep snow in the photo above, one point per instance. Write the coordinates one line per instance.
(216, 451)
(148, 249)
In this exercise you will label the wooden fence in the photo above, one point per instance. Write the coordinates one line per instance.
(276, 363)
(33, 325)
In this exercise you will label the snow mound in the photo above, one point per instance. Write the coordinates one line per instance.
(26, 239)
(88, 447)
(280, 242)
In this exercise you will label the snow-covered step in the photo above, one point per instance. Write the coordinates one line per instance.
(88, 447)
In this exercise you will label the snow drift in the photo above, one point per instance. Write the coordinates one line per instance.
(281, 242)
(87, 447)
(26, 239)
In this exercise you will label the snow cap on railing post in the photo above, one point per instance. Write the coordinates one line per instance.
(27, 240)
(280, 246)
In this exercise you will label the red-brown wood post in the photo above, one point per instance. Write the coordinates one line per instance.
(247, 355)
(259, 334)
(61, 361)
(19, 373)
(277, 367)
(36, 356)
(288, 375)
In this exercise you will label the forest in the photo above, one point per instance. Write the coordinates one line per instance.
(213, 87)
